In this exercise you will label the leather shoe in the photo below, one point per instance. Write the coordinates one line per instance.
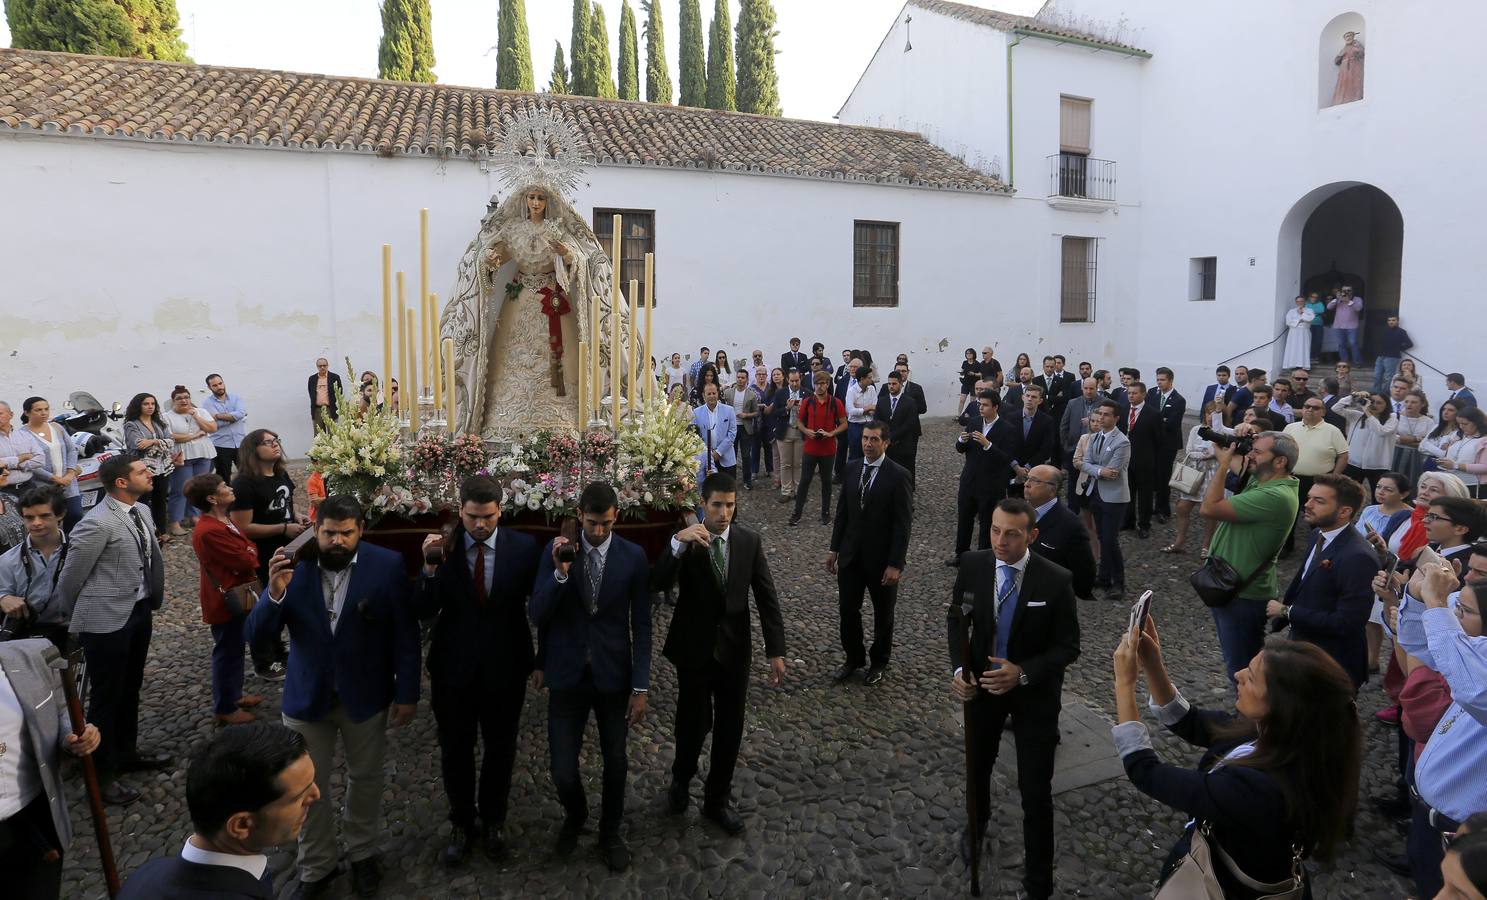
(843, 672)
(147, 764)
(725, 817)
(366, 876)
(117, 793)
(1115, 593)
(615, 854)
(874, 675)
(248, 701)
(794, 522)
(568, 838)
(495, 842)
(236, 717)
(1162, 518)
(1397, 863)
(458, 851)
(309, 890)
(1143, 533)
(677, 797)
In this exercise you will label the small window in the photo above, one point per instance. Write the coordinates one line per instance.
(637, 238)
(1077, 281)
(1203, 276)
(875, 264)
(1073, 125)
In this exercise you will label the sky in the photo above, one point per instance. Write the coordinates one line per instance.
(823, 44)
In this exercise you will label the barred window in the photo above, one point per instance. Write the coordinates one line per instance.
(1077, 281)
(1203, 277)
(874, 263)
(637, 238)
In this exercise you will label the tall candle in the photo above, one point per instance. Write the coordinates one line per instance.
(614, 323)
(596, 341)
(386, 319)
(402, 350)
(436, 343)
(583, 385)
(633, 336)
(647, 348)
(425, 343)
(448, 366)
(412, 375)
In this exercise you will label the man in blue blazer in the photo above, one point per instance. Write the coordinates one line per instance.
(1331, 595)
(480, 656)
(1220, 390)
(353, 653)
(593, 615)
(718, 426)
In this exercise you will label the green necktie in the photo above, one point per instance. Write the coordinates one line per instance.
(720, 563)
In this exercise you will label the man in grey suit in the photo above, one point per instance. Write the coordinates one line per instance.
(112, 582)
(34, 828)
(1103, 484)
(1072, 426)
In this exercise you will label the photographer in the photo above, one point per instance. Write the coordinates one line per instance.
(1371, 431)
(1252, 527)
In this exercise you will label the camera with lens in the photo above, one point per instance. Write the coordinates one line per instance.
(1241, 445)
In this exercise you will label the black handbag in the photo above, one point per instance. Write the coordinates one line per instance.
(1217, 583)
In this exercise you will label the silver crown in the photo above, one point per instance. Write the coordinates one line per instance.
(538, 147)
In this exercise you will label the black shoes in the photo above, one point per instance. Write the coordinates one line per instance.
(457, 853)
(1162, 518)
(843, 672)
(139, 763)
(1397, 863)
(614, 852)
(1115, 593)
(826, 520)
(271, 672)
(309, 890)
(495, 843)
(568, 838)
(725, 817)
(366, 876)
(677, 797)
(117, 793)
(794, 521)
(1143, 532)
(874, 675)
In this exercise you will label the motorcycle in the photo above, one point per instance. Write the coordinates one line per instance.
(98, 435)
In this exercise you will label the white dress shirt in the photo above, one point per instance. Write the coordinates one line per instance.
(1322, 545)
(19, 778)
(677, 547)
(253, 864)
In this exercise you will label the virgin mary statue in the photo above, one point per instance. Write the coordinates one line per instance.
(524, 289)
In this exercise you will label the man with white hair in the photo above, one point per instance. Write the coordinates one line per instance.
(18, 453)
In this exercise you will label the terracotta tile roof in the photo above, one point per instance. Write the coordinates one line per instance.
(1003, 21)
(67, 94)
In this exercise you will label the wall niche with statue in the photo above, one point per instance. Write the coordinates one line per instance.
(1340, 61)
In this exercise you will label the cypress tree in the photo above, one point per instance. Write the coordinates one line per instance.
(758, 83)
(599, 58)
(407, 49)
(692, 62)
(513, 48)
(720, 83)
(657, 78)
(629, 82)
(144, 29)
(559, 82)
(157, 29)
(579, 81)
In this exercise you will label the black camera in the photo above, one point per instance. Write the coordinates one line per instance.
(567, 553)
(433, 556)
(1241, 445)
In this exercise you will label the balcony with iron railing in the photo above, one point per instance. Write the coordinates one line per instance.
(1080, 183)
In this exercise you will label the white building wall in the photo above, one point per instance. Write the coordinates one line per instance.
(136, 266)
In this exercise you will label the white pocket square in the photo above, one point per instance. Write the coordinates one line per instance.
(1037, 603)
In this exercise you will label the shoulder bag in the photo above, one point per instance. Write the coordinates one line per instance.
(1217, 583)
(239, 600)
(1185, 476)
(1195, 877)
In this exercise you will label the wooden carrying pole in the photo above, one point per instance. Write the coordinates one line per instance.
(90, 774)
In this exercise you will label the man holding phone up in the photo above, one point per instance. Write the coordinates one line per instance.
(821, 419)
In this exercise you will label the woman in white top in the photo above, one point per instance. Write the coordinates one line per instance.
(1298, 336)
(1200, 455)
(1371, 432)
(1415, 424)
(862, 401)
(189, 428)
(58, 455)
(1467, 458)
(675, 374)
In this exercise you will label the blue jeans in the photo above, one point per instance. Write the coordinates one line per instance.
(1108, 519)
(227, 665)
(176, 504)
(1347, 344)
(854, 441)
(1383, 370)
(1241, 628)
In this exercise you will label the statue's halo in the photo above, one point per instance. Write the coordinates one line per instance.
(538, 147)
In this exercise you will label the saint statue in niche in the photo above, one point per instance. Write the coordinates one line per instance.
(1349, 64)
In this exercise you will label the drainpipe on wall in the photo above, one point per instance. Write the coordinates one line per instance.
(1011, 169)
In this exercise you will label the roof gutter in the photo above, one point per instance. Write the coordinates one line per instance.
(1011, 166)
(1082, 42)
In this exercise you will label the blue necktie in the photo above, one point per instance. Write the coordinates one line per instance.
(1006, 596)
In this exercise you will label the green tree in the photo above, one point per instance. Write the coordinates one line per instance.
(657, 77)
(145, 29)
(580, 81)
(758, 83)
(407, 49)
(513, 48)
(157, 29)
(559, 82)
(692, 64)
(599, 57)
(629, 86)
(720, 78)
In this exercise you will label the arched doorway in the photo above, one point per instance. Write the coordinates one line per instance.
(1348, 233)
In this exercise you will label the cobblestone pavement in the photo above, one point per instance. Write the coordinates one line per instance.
(849, 792)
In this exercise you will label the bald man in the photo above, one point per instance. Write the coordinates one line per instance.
(1062, 538)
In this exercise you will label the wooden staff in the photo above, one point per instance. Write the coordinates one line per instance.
(68, 668)
(963, 613)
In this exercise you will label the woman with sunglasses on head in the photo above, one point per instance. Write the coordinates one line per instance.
(263, 510)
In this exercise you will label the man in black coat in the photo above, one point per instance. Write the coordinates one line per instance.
(1054, 386)
(1331, 596)
(324, 385)
(479, 660)
(989, 445)
(900, 413)
(717, 563)
(1143, 425)
(914, 389)
(248, 789)
(1171, 407)
(869, 544)
(1024, 632)
(1062, 538)
(1037, 434)
(793, 359)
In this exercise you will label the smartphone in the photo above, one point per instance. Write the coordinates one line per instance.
(295, 549)
(1140, 612)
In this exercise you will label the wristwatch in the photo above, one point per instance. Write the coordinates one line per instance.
(1022, 678)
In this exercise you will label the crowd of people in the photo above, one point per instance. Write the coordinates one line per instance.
(1055, 465)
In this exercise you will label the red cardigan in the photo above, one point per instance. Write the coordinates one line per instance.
(230, 558)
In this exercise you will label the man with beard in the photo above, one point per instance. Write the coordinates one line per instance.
(229, 412)
(355, 654)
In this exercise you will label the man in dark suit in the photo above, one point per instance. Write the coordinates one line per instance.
(353, 671)
(324, 386)
(249, 789)
(913, 388)
(1037, 433)
(1062, 538)
(793, 359)
(717, 564)
(1024, 632)
(869, 544)
(900, 412)
(1331, 595)
(1457, 390)
(1143, 425)
(480, 655)
(593, 617)
(1052, 385)
(1221, 390)
(1171, 407)
(989, 445)
(1068, 383)
(1121, 395)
